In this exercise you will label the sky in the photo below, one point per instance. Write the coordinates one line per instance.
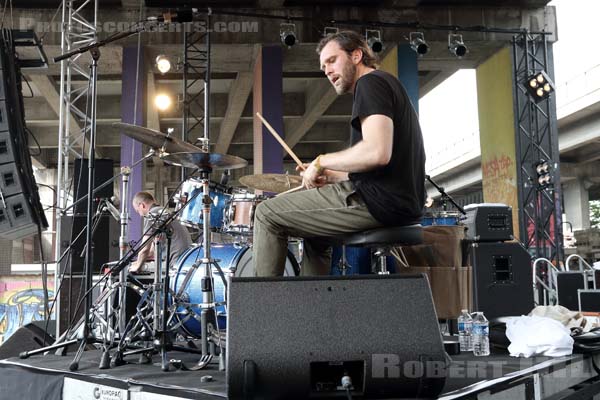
(448, 114)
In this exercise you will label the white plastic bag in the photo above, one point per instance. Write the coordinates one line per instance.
(535, 335)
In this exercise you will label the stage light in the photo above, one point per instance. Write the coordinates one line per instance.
(287, 33)
(163, 64)
(542, 169)
(373, 38)
(456, 45)
(330, 30)
(162, 101)
(418, 43)
(539, 86)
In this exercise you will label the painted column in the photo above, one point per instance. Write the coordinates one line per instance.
(132, 112)
(268, 100)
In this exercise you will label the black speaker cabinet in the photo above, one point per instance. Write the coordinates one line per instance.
(295, 338)
(502, 279)
(567, 285)
(29, 337)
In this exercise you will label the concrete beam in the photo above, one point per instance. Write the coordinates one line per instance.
(319, 96)
(238, 96)
(45, 85)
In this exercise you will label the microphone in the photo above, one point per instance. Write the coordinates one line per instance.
(179, 16)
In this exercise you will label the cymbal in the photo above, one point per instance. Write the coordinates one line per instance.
(156, 139)
(205, 160)
(276, 183)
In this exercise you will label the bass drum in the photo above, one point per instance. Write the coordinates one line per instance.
(234, 260)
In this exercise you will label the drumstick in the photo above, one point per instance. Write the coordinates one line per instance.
(292, 190)
(281, 142)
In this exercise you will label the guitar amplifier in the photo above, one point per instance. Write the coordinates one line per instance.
(488, 222)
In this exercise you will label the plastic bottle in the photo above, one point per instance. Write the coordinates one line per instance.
(480, 335)
(465, 326)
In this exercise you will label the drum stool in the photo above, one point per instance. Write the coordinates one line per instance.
(382, 240)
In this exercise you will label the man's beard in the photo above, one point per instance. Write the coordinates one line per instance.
(347, 79)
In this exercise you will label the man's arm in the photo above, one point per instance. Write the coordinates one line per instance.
(143, 255)
(373, 151)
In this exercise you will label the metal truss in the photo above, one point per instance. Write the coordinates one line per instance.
(196, 71)
(79, 22)
(537, 142)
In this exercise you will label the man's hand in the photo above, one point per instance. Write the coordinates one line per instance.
(134, 267)
(313, 177)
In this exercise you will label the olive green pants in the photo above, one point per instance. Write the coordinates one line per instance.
(312, 215)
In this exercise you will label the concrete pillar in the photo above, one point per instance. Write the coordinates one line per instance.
(577, 203)
(408, 73)
(497, 132)
(402, 62)
(132, 112)
(268, 100)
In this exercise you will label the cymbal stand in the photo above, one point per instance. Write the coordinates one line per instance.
(208, 306)
(121, 296)
(149, 324)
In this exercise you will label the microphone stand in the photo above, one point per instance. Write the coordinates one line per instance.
(445, 196)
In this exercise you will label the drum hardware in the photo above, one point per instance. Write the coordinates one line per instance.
(343, 265)
(445, 197)
(96, 314)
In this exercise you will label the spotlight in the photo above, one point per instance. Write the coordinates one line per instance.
(542, 169)
(162, 101)
(456, 45)
(287, 33)
(330, 30)
(418, 43)
(374, 40)
(539, 86)
(163, 64)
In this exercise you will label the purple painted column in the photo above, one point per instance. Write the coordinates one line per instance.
(268, 100)
(132, 112)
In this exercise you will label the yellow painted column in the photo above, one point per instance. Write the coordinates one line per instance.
(497, 132)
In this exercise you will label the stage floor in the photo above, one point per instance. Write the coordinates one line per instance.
(47, 377)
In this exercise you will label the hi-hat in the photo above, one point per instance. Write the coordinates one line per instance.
(275, 183)
(155, 139)
(204, 160)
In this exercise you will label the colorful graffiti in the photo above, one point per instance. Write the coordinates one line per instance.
(21, 301)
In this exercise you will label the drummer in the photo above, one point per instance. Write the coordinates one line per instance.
(378, 181)
(146, 206)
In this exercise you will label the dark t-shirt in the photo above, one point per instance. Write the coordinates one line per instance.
(180, 237)
(394, 194)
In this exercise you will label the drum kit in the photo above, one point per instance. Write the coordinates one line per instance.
(185, 301)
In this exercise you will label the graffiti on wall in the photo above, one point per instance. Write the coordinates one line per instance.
(21, 302)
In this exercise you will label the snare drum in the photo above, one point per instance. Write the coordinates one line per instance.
(191, 215)
(234, 261)
(239, 214)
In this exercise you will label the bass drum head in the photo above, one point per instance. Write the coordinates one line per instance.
(243, 266)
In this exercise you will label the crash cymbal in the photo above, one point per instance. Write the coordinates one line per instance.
(156, 139)
(205, 160)
(276, 183)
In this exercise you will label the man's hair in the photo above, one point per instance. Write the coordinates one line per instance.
(143, 197)
(350, 41)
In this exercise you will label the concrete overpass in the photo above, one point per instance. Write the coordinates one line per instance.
(459, 170)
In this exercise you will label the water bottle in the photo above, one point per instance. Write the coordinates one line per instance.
(465, 326)
(480, 335)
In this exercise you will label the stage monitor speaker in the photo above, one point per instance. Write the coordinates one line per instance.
(488, 222)
(502, 283)
(29, 337)
(295, 338)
